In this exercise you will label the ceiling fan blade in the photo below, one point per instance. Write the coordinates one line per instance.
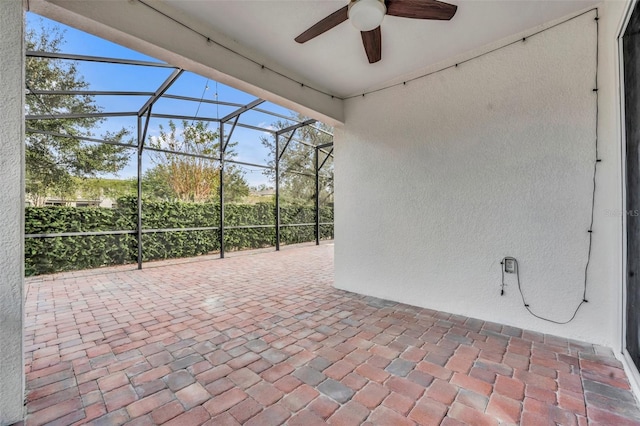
(372, 41)
(421, 9)
(336, 18)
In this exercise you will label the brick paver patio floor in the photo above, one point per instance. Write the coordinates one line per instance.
(264, 339)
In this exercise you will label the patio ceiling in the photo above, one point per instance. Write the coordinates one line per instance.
(250, 44)
(336, 60)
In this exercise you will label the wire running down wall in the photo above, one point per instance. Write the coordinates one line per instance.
(489, 159)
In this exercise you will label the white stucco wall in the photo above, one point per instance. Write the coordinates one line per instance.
(438, 180)
(11, 213)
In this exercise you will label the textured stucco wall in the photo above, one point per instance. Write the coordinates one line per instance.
(11, 213)
(438, 180)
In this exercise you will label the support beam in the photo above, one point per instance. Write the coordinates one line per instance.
(244, 163)
(235, 105)
(79, 115)
(321, 130)
(242, 109)
(235, 123)
(260, 129)
(163, 88)
(184, 117)
(87, 58)
(221, 192)
(296, 126)
(325, 159)
(12, 162)
(316, 158)
(284, 148)
(186, 154)
(88, 93)
(80, 138)
(301, 142)
(275, 114)
(277, 191)
(142, 134)
(294, 172)
(201, 100)
(326, 145)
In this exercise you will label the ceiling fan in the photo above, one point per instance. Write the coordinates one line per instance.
(367, 15)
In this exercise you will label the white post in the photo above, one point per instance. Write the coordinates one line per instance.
(12, 210)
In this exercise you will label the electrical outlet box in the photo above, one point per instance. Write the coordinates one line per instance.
(510, 266)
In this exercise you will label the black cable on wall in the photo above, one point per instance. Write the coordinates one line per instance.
(596, 162)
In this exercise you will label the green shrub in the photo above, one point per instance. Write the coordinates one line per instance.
(49, 255)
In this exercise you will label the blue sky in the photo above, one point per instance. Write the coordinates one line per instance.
(102, 76)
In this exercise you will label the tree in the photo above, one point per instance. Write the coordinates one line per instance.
(297, 167)
(191, 177)
(101, 188)
(155, 184)
(52, 162)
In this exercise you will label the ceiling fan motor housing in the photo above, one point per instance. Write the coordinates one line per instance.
(366, 15)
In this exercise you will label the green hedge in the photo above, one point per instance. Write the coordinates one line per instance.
(48, 255)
